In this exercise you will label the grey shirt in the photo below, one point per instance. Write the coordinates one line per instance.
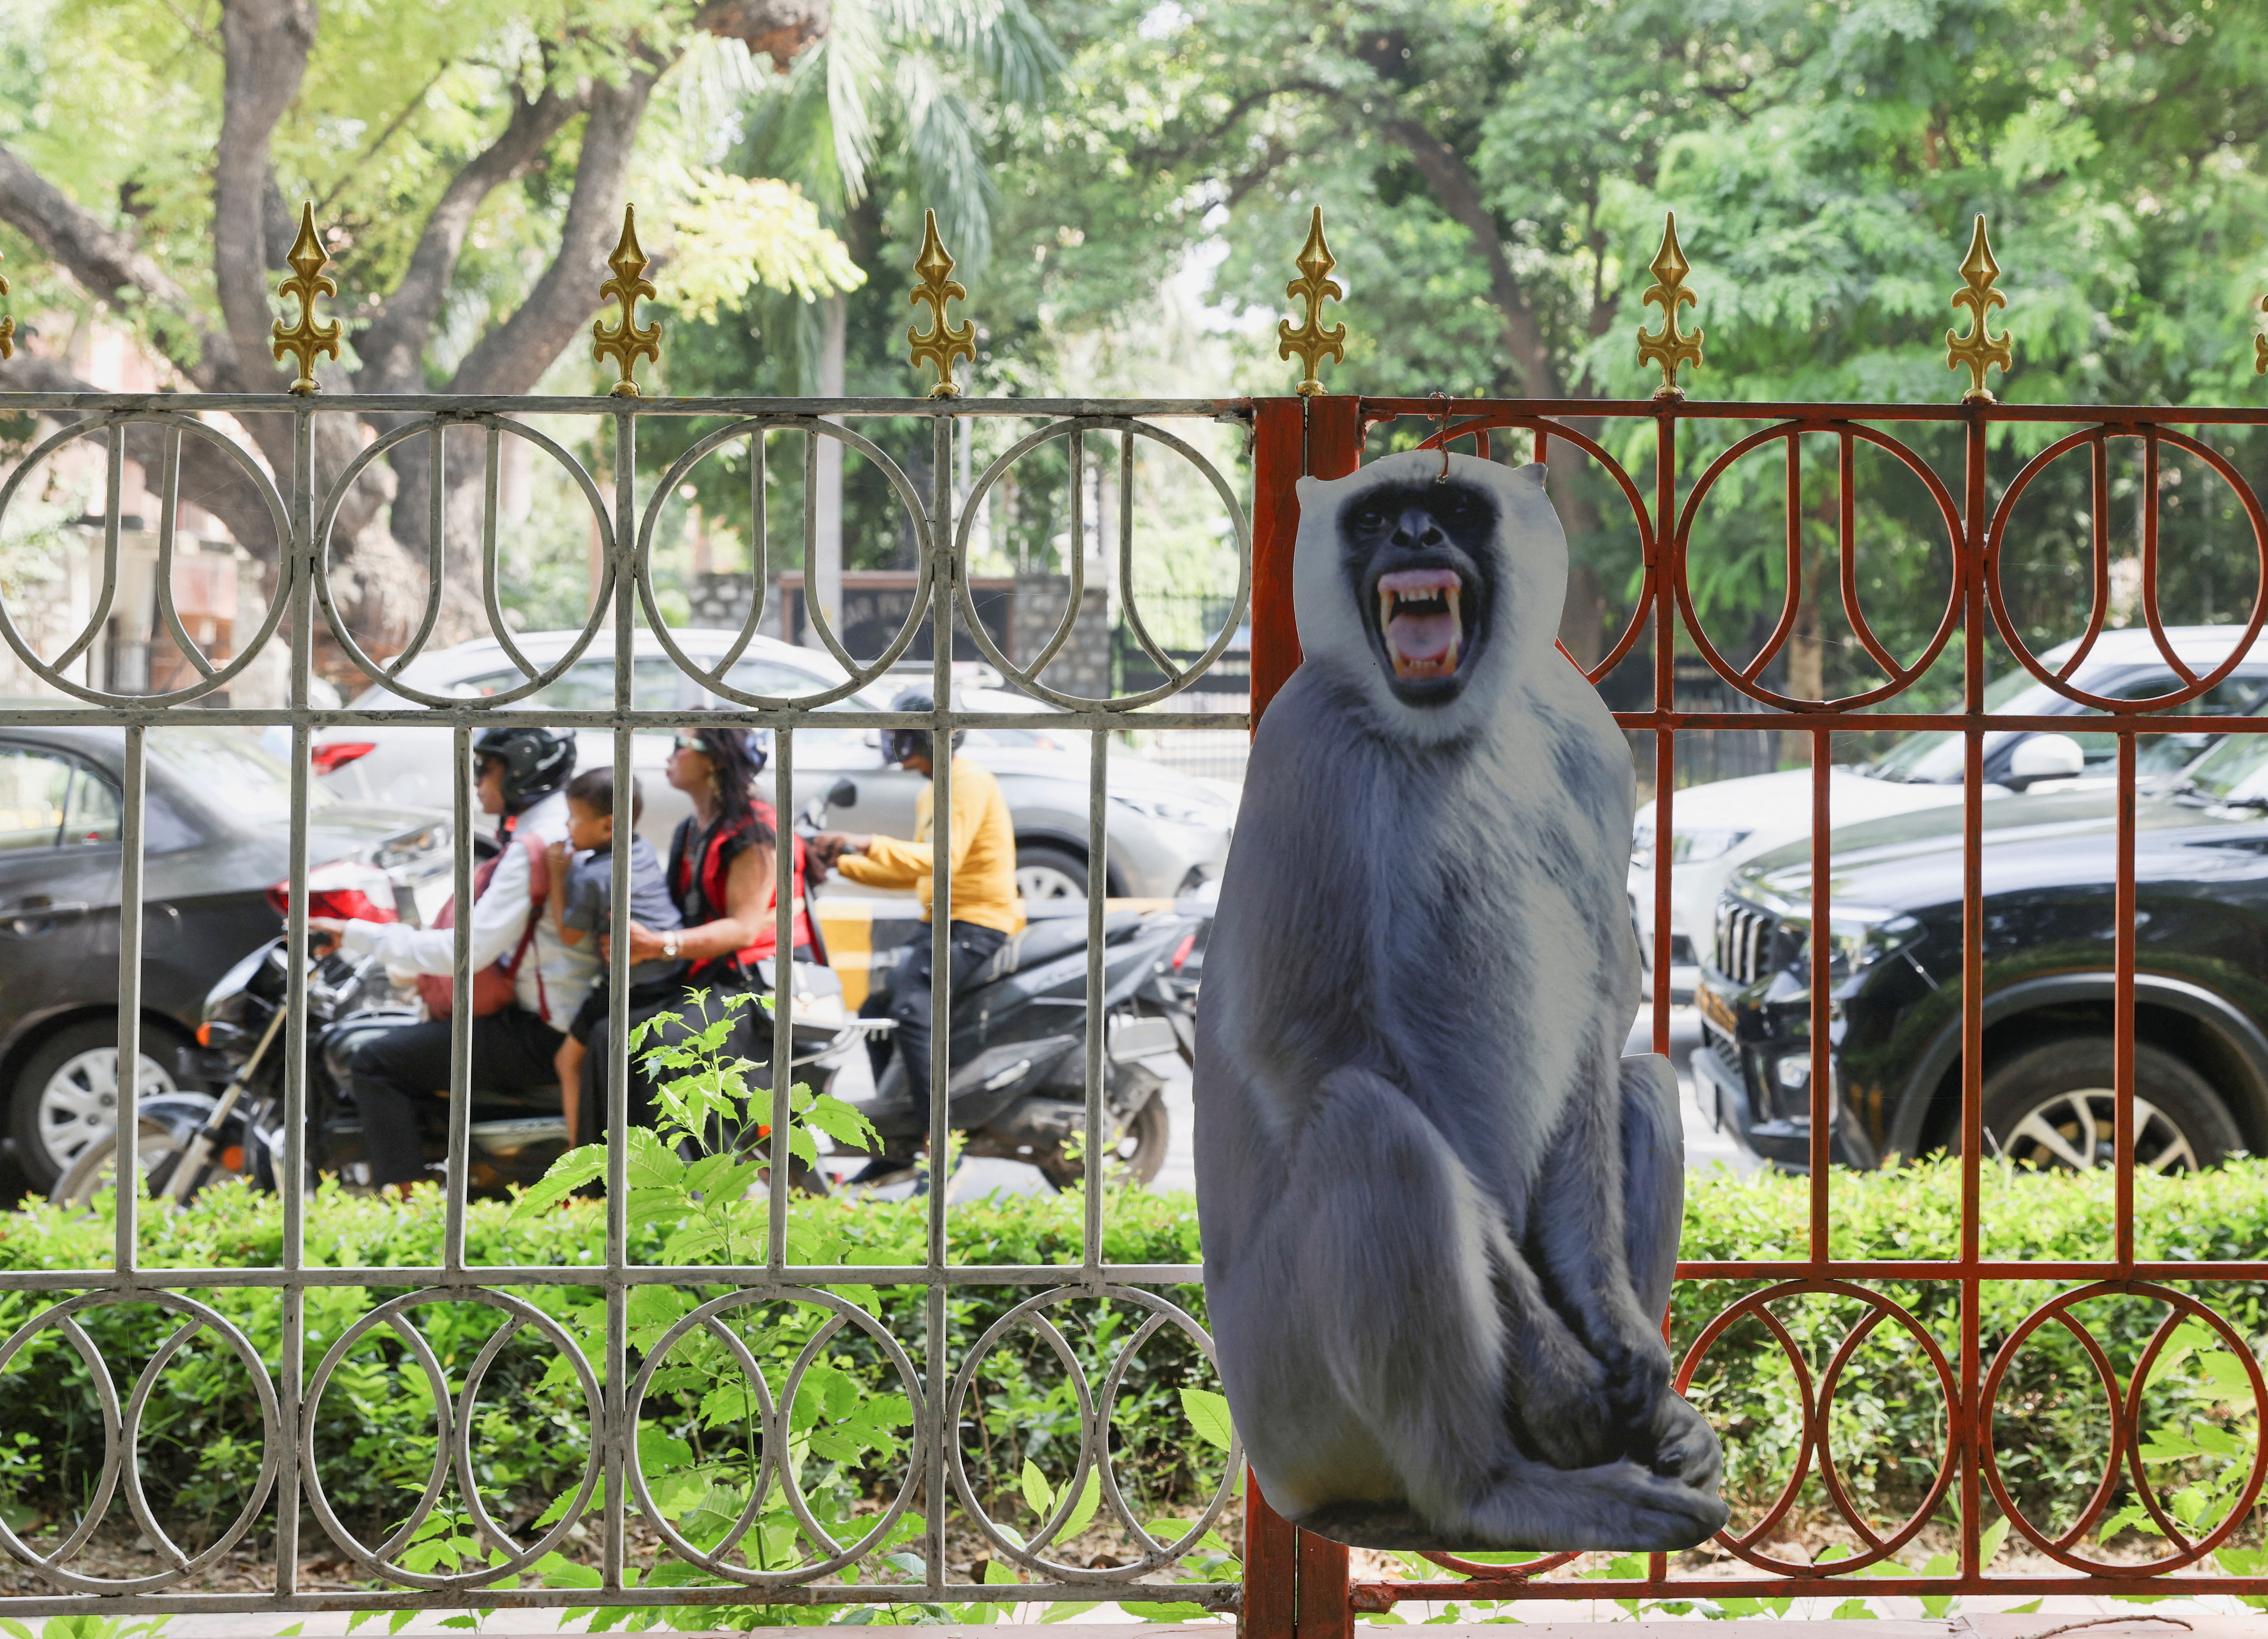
(590, 893)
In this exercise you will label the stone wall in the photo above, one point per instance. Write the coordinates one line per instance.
(1082, 666)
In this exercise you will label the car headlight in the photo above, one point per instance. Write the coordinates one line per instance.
(1171, 810)
(1857, 936)
(1686, 847)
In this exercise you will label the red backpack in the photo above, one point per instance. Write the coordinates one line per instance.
(497, 986)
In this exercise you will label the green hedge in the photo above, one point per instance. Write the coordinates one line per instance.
(376, 1434)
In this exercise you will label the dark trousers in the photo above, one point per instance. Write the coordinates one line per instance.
(906, 999)
(750, 1038)
(393, 1074)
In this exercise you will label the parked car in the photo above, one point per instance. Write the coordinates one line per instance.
(1895, 945)
(217, 833)
(1168, 831)
(1721, 827)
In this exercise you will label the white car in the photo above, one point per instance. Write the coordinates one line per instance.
(1168, 831)
(1719, 828)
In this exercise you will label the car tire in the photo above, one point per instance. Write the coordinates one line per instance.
(1046, 872)
(2051, 1107)
(64, 1092)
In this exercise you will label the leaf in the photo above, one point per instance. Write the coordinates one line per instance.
(400, 1620)
(651, 1165)
(1988, 1546)
(1039, 1497)
(999, 1573)
(558, 1571)
(1063, 1612)
(1082, 1512)
(1185, 1610)
(1208, 1414)
(843, 1123)
(1850, 1610)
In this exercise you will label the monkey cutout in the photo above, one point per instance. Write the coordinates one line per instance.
(1439, 1208)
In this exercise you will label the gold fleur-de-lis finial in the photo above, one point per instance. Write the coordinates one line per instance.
(945, 341)
(2259, 341)
(626, 339)
(1979, 350)
(307, 335)
(1314, 285)
(1669, 346)
(7, 326)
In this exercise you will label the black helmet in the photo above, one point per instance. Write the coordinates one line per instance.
(899, 743)
(536, 763)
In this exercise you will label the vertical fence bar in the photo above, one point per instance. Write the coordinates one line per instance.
(460, 1011)
(1664, 541)
(619, 1434)
(1823, 948)
(2122, 1021)
(128, 1079)
(1975, 519)
(944, 579)
(784, 911)
(298, 562)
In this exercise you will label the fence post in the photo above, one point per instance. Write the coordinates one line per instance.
(1295, 1584)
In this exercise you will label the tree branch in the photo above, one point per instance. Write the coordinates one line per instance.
(513, 355)
(1456, 191)
(393, 346)
(264, 47)
(105, 262)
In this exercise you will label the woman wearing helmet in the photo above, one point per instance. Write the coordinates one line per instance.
(723, 862)
(520, 774)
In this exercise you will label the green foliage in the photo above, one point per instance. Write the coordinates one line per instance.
(1021, 1435)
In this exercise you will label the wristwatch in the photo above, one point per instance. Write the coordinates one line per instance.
(670, 946)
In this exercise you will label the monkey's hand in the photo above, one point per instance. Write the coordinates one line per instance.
(1685, 1447)
(1566, 1406)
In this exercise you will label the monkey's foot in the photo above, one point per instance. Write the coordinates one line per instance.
(1685, 1447)
(1618, 1506)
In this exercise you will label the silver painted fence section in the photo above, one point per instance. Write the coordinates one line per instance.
(939, 1382)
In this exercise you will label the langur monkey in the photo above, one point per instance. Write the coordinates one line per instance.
(1440, 1208)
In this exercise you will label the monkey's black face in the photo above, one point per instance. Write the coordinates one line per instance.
(1418, 558)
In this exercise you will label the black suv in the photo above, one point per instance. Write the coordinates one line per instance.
(1894, 966)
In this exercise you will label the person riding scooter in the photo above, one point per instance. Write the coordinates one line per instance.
(985, 908)
(528, 984)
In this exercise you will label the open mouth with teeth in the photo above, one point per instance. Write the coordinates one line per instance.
(1422, 622)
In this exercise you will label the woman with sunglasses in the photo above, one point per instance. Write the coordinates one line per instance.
(722, 865)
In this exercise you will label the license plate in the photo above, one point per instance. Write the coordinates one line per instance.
(1715, 1009)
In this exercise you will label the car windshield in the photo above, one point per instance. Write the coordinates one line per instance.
(1936, 759)
(229, 768)
(2235, 771)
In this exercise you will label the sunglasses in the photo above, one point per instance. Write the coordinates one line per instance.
(688, 742)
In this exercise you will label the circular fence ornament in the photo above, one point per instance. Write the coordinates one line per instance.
(860, 674)
(121, 1432)
(1027, 677)
(1095, 1439)
(437, 427)
(774, 1416)
(452, 1416)
(112, 426)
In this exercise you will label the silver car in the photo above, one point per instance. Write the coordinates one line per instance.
(1168, 831)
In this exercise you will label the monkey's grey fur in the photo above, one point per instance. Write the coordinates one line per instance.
(1439, 1208)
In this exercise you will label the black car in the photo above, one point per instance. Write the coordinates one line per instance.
(217, 833)
(1894, 966)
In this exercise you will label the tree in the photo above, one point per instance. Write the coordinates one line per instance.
(471, 163)
(1496, 173)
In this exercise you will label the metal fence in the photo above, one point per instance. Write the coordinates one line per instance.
(1639, 450)
(934, 1370)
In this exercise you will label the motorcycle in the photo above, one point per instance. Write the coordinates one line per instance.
(1019, 1038)
(190, 1141)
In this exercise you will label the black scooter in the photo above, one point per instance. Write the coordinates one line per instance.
(1020, 1039)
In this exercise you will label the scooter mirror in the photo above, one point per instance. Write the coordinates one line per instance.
(842, 794)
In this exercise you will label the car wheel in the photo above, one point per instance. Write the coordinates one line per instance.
(67, 1097)
(2052, 1108)
(1050, 873)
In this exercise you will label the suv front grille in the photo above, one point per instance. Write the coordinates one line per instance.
(1745, 935)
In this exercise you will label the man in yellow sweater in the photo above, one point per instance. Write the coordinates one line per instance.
(985, 908)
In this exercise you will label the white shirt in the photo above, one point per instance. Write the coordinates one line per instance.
(553, 979)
